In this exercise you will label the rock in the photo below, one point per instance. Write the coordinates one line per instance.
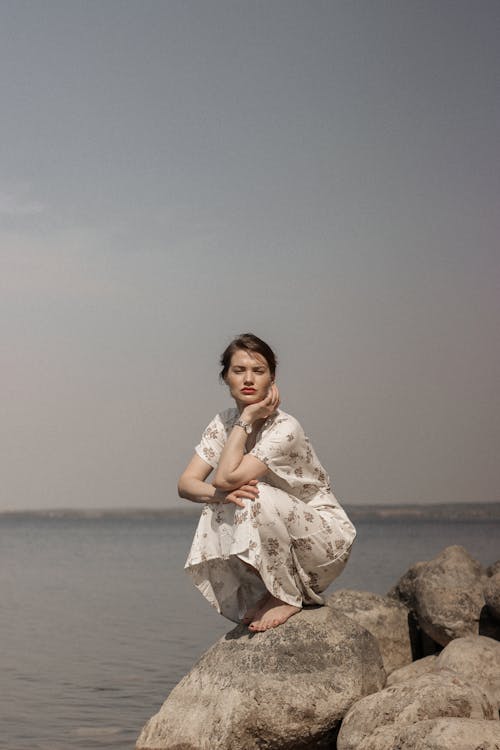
(415, 669)
(422, 644)
(288, 687)
(385, 618)
(475, 659)
(494, 568)
(404, 590)
(491, 591)
(437, 694)
(438, 734)
(449, 596)
(445, 593)
(489, 623)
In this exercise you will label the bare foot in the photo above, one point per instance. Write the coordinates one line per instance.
(274, 612)
(252, 612)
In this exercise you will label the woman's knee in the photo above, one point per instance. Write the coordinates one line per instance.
(272, 506)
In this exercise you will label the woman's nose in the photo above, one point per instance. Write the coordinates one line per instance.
(248, 377)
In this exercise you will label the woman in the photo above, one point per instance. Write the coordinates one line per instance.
(271, 536)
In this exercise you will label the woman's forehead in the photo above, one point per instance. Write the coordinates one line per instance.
(244, 357)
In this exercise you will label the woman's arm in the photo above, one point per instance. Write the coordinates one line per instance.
(234, 466)
(192, 486)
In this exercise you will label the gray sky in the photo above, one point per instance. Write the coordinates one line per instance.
(324, 174)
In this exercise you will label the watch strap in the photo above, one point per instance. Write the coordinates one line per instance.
(245, 425)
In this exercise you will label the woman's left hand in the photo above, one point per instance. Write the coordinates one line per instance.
(239, 494)
(262, 409)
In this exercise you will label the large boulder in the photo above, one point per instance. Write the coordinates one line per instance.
(491, 591)
(287, 687)
(439, 734)
(437, 694)
(476, 659)
(404, 589)
(386, 618)
(494, 568)
(413, 670)
(445, 593)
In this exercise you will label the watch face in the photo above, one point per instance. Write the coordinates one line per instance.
(246, 427)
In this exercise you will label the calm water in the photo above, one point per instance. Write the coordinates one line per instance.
(99, 620)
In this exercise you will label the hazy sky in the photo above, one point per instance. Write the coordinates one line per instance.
(322, 173)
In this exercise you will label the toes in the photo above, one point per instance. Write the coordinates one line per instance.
(269, 619)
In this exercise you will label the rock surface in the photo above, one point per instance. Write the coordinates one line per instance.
(289, 688)
(285, 688)
(476, 659)
(438, 734)
(491, 592)
(437, 694)
(494, 568)
(385, 618)
(413, 670)
(404, 590)
(446, 594)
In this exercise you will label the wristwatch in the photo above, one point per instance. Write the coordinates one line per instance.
(246, 426)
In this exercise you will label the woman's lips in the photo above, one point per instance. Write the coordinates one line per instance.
(248, 390)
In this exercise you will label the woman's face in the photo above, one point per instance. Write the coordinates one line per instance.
(248, 377)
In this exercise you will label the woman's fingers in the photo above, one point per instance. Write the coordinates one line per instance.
(250, 485)
(232, 497)
(274, 395)
(245, 492)
(250, 492)
(236, 501)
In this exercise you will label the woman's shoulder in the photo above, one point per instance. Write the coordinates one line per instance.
(218, 428)
(281, 421)
(280, 417)
(226, 418)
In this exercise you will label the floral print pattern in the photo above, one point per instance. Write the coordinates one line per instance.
(295, 535)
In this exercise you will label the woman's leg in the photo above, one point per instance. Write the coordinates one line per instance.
(298, 551)
(277, 546)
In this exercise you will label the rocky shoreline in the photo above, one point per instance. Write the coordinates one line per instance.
(418, 669)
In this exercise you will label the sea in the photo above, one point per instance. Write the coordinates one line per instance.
(99, 620)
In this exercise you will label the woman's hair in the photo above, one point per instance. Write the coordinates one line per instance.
(250, 343)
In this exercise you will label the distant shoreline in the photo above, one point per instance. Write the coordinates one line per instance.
(368, 512)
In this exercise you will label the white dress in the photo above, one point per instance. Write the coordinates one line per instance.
(295, 534)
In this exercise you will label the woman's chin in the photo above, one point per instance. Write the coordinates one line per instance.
(247, 399)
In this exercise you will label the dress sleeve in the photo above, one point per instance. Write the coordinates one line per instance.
(212, 442)
(277, 446)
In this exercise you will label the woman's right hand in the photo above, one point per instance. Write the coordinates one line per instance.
(248, 490)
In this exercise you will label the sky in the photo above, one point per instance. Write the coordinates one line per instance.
(324, 174)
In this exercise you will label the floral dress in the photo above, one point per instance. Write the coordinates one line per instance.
(295, 535)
